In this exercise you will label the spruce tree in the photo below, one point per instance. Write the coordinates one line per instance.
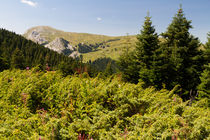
(147, 55)
(143, 64)
(182, 54)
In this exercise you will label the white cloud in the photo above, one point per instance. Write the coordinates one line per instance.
(30, 3)
(99, 19)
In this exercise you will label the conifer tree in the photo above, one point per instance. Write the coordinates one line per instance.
(143, 64)
(147, 55)
(182, 54)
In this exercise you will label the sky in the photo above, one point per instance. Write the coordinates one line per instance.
(107, 17)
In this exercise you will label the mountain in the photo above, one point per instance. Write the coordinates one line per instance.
(91, 46)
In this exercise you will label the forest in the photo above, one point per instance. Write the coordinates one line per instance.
(159, 90)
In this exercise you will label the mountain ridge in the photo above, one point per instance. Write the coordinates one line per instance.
(91, 46)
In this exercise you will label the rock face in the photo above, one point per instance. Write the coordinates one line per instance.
(35, 36)
(61, 45)
(75, 54)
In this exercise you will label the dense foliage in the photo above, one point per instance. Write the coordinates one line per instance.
(204, 87)
(207, 50)
(101, 64)
(18, 52)
(70, 104)
(37, 105)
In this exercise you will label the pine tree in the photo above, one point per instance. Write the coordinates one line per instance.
(182, 54)
(143, 64)
(147, 55)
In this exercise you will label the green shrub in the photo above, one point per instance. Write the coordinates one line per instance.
(47, 105)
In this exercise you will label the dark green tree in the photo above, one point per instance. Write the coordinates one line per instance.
(147, 55)
(182, 55)
(143, 64)
(3, 64)
(17, 59)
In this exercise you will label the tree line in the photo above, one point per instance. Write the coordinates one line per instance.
(16, 52)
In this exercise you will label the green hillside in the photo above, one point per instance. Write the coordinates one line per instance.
(42, 105)
(110, 46)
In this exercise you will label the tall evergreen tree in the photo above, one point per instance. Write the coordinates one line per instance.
(147, 55)
(144, 62)
(182, 54)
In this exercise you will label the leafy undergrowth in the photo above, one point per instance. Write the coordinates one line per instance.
(38, 105)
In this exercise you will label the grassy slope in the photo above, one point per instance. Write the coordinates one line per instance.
(116, 43)
(40, 105)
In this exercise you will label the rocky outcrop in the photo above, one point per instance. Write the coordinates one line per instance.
(35, 36)
(61, 45)
(75, 54)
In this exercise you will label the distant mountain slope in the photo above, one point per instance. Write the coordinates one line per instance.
(18, 52)
(93, 46)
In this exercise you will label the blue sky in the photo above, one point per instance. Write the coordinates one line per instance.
(108, 17)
